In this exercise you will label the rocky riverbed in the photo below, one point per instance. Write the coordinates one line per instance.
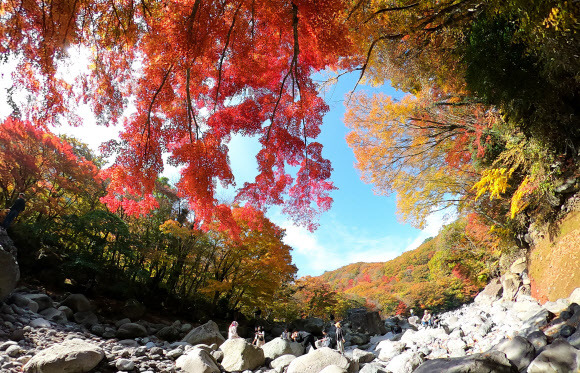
(41, 334)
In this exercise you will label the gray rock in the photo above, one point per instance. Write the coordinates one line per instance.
(538, 339)
(121, 322)
(168, 333)
(316, 360)
(67, 311)
(86, 318)
(574, 339)
(373, 367)
(364, 321)
(518, 350)
(197, 361)
(207, 333)
(310, 324)
(536, 321)
(13, 351)
(511, 283)
(281, 363)
(77, 303)
(40, 323)
(491, 293)
(175, 353)
(10, 273)
(52, 314)
(278, 347)
(491, 361)
(43, 300)
(566, 331)
(74, 355)
(131, 330)
(362, 356)
(559, 357)
(518, 266)
(405, 362)
(125, 365)
(240, 355)
(389, 349)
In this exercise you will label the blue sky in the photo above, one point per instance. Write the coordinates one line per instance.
(360, 226)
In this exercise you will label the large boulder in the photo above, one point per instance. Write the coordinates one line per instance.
(77, 303)
(510, 282)
(389, 349)
(405, 362)
(9, 275)
(239, 355)
(363, 356)
(168, 333)
(197, 360)
(311, 325)
(491, 361)
(319, 359)
(71, 356)
(131, 330)
(278, 347)
(518, 350)
(208, 333)
(364, 321)
(558, 357)
(491, 293)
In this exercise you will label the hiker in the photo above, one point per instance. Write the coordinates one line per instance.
(259, 337)
(233, 330)
(324, 341)
(426, 320)
(305, 338)
(339, 338)
(285, 335)
(18, 206)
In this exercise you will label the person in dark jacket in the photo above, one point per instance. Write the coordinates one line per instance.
(305, 338)
(18, 206)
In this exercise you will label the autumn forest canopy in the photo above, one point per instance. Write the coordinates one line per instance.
(489, 126)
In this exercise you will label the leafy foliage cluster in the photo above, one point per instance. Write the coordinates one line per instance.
(441, 274)
(491, 120)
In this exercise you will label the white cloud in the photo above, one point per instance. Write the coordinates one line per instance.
(335, 246)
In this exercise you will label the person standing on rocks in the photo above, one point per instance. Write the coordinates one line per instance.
(18, 206)
(233, 330)
(426, 320)
(339, 338)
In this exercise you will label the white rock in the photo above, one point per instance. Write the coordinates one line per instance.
(73, 355)
(197, 361)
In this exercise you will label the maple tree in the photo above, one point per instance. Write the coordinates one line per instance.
(47, 169)
(197, 72)
(421, 147)
(247, 270)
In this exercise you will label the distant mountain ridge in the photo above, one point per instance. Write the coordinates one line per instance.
(440, 274)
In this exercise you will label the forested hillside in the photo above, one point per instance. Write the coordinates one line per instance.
(441, 274)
